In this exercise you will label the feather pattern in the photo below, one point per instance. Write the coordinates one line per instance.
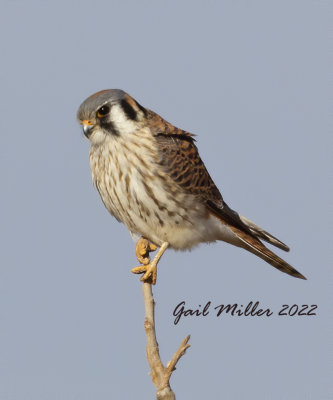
(180, 159)
(150, 177)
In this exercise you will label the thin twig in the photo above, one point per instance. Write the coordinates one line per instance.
(171, 366)
(160, 374)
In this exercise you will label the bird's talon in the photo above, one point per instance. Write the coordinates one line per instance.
(152, 247)
(139, 270)
(143, 248)
(149, 269)
(150, 273)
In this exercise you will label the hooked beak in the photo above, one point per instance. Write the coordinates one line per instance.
(87, 127)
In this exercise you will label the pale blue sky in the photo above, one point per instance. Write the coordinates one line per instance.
(251, 79)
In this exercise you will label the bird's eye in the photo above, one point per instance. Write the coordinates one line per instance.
(103, 111)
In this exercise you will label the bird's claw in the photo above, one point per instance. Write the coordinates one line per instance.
(143, 248)
(149, 270)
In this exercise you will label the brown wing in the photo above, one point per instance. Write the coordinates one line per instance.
(180, 159)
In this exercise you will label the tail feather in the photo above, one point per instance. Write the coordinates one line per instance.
(249, 235)
(256, 247)
(263, 235)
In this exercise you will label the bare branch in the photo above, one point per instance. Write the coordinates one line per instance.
(160, 374)
(171, 366)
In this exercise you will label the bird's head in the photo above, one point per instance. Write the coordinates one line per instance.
(110, 112)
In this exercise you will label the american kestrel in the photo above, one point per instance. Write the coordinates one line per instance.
(150, 177)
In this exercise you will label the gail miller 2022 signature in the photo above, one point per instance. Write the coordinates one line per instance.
(252, 309)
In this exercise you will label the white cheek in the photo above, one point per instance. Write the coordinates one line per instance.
(121, 122)
(97, 137)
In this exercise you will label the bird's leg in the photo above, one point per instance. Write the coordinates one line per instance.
(143, 248)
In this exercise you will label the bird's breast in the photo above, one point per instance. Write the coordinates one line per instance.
(136, 190)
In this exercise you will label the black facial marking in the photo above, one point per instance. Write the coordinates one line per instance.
(109, 126)
(129, 110)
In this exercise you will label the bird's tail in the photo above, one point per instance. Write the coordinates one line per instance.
(263, 235)
(254, 245)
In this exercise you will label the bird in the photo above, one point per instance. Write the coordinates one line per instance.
(150, 177)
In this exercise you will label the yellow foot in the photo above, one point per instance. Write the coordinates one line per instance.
(150, 271)
(143, 248)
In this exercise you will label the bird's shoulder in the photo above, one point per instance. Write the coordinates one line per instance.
(180, 159)
(160, 127)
